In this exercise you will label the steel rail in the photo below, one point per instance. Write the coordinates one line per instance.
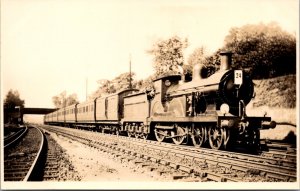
(13, 134)
(17, 138)
(33, 169)
(281, 172)
(230, 154)
(268, 168)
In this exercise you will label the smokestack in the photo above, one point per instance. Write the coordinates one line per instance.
(225, 60)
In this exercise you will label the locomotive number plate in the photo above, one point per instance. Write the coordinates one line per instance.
(238, 77)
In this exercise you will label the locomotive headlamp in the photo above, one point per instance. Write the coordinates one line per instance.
(224, 108)
(167, 83)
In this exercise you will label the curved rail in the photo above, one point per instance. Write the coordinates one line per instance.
(18, 137)
(7, 138)
(34, 171)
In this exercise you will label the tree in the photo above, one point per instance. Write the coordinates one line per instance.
(168, 55)
(13, 105)
(72, 99)
(200, 56)
(13, 99)
(119, 83)
(122, 81)
(62, 100)
(267, 50)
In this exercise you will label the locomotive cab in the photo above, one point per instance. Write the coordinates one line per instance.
(164, 84)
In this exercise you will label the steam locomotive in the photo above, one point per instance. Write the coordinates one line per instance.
(206, 110)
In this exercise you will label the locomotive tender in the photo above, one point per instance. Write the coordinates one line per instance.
(206, 109)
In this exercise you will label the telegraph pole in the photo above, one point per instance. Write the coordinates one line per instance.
(86, 88)
(130, 84)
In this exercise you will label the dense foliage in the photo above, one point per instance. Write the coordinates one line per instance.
(13, 99)
(62, 100)
(200, 56)
(119, 83)
(266, 50)
(168, 55)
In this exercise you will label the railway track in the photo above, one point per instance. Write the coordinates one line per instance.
(280, 150)
(21, 162)
(15, 137)
(37, 157)
(51, 168)
(57, 166)
(198, 164)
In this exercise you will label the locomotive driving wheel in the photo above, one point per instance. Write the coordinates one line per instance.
(159, 135)
(130, 134)
(144, 136)
(198, 136)
(141, 136)
(179, 135)
(215, 137)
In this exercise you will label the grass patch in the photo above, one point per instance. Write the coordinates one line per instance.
(276, 92)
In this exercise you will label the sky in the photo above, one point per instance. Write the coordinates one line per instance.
(50, 46)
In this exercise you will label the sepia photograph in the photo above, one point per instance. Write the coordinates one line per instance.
(140, 94)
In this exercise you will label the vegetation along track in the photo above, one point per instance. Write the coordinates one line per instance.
(191, 163)
(21, 162)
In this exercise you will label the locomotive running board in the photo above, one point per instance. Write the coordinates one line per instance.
(206, 118)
